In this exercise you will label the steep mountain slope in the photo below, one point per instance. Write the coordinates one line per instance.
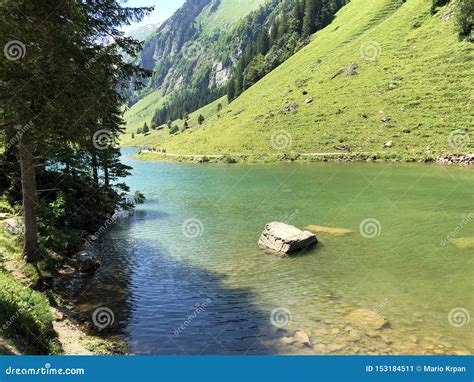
(183, 56)
(194, 53)
(385, 76)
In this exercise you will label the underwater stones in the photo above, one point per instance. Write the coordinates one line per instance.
(321, 349)
(288, 341)
(367, 319)
(284, 239)
(329, 230)
(461, 352)
(336, 346)
(302, 338)
(320, 332)
(354, 335)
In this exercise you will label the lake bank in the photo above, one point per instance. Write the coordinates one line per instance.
(458, 159)
(36, 317)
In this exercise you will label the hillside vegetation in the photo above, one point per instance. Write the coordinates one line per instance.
(384, 76)
(195, 53)
(188, 57)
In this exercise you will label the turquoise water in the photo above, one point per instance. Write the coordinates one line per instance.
(184, 275)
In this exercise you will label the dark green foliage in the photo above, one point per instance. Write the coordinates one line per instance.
(231, 90)
(174, 130)
(139, 198)
(201, 119)
(74, 109)
(146, 129)
(465, 17)
(311, 19)
(27, 313)
(229, 160)
(438, 3)
(183, 103)
(273, 31)
(263, 42)
(290, 27)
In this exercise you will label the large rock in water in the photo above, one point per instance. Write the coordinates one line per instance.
(283, 238)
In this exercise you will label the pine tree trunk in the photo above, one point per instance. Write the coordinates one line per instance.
(95, 172)
(106, 174)
(30, 203)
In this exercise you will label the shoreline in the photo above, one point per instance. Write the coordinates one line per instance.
(444, 159)
(52, 317)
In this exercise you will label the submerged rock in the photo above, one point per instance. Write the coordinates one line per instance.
(367, 319)
(302, 338)
(464, 242)
(283, 238)
(287, 341)
(87, 262)
(329, 230)
(336, 346)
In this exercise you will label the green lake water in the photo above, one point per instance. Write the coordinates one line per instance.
(184, 275)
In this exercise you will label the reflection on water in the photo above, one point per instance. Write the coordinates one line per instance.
(184, 275)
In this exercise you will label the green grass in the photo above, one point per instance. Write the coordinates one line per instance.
(418, 52)
(24, 313)
(229, 12)
(155, 138)
(142, 112)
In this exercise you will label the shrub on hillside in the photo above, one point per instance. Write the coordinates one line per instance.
(438, 3)
(465, 17)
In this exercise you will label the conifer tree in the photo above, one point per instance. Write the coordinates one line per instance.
(78, 71)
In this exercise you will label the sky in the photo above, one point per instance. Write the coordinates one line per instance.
(163, 10)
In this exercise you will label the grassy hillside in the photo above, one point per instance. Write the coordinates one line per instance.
(209, 112)
(142, 111)
(411, 90)
(229, 12)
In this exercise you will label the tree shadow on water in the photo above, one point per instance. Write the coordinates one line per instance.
(163, 306)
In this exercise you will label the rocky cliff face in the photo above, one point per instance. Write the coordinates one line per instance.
(195, 49)
(172, 34)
